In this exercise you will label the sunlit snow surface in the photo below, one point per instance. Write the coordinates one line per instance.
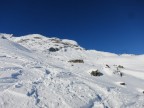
(31, 76)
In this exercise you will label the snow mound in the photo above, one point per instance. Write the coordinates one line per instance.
(69, 42)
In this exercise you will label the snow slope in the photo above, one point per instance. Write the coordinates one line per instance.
(33, 76)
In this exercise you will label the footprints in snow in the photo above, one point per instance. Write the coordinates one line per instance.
(15, 75)
(9, 81)
(36, 84)
(47, 72)
(34, 93)
(65, 75)
(18, 85)
(13, 78)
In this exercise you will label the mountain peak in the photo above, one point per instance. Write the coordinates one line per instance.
(39, 42)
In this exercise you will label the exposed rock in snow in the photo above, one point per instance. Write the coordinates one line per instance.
(5, 36)
(33, 77)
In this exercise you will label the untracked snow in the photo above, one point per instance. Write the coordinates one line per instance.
(41, 72)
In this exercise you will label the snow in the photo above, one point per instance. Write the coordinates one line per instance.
(31, 76)
(70, 41)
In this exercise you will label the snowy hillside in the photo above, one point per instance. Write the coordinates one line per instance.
(41, 72)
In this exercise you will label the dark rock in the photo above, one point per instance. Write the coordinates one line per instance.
(3, 37)
(107, 66)
(120, 66)
(122, 83)
(96, 73)
(37, 37)
(76, 61)
(53, 49)
(121, 74)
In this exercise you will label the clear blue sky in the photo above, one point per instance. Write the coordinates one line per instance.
(107, 25)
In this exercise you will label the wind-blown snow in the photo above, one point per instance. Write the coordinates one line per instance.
(35, 72)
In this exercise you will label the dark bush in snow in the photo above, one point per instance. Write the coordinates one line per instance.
(107, 66)
(76, 61)
(53, 49)
(96, 73)
(37, 37)
(122, 83)
(23, 40)
(121, 74)
(3, 37)
(120, 66)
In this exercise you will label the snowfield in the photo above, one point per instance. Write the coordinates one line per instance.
(41, 72)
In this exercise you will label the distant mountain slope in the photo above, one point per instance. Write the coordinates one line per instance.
(41, 72)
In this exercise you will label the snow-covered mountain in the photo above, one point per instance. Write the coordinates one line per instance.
(41, 72)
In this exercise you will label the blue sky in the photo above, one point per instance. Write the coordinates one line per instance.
(107, 25)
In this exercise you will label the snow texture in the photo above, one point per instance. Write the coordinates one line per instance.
(31, 76)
